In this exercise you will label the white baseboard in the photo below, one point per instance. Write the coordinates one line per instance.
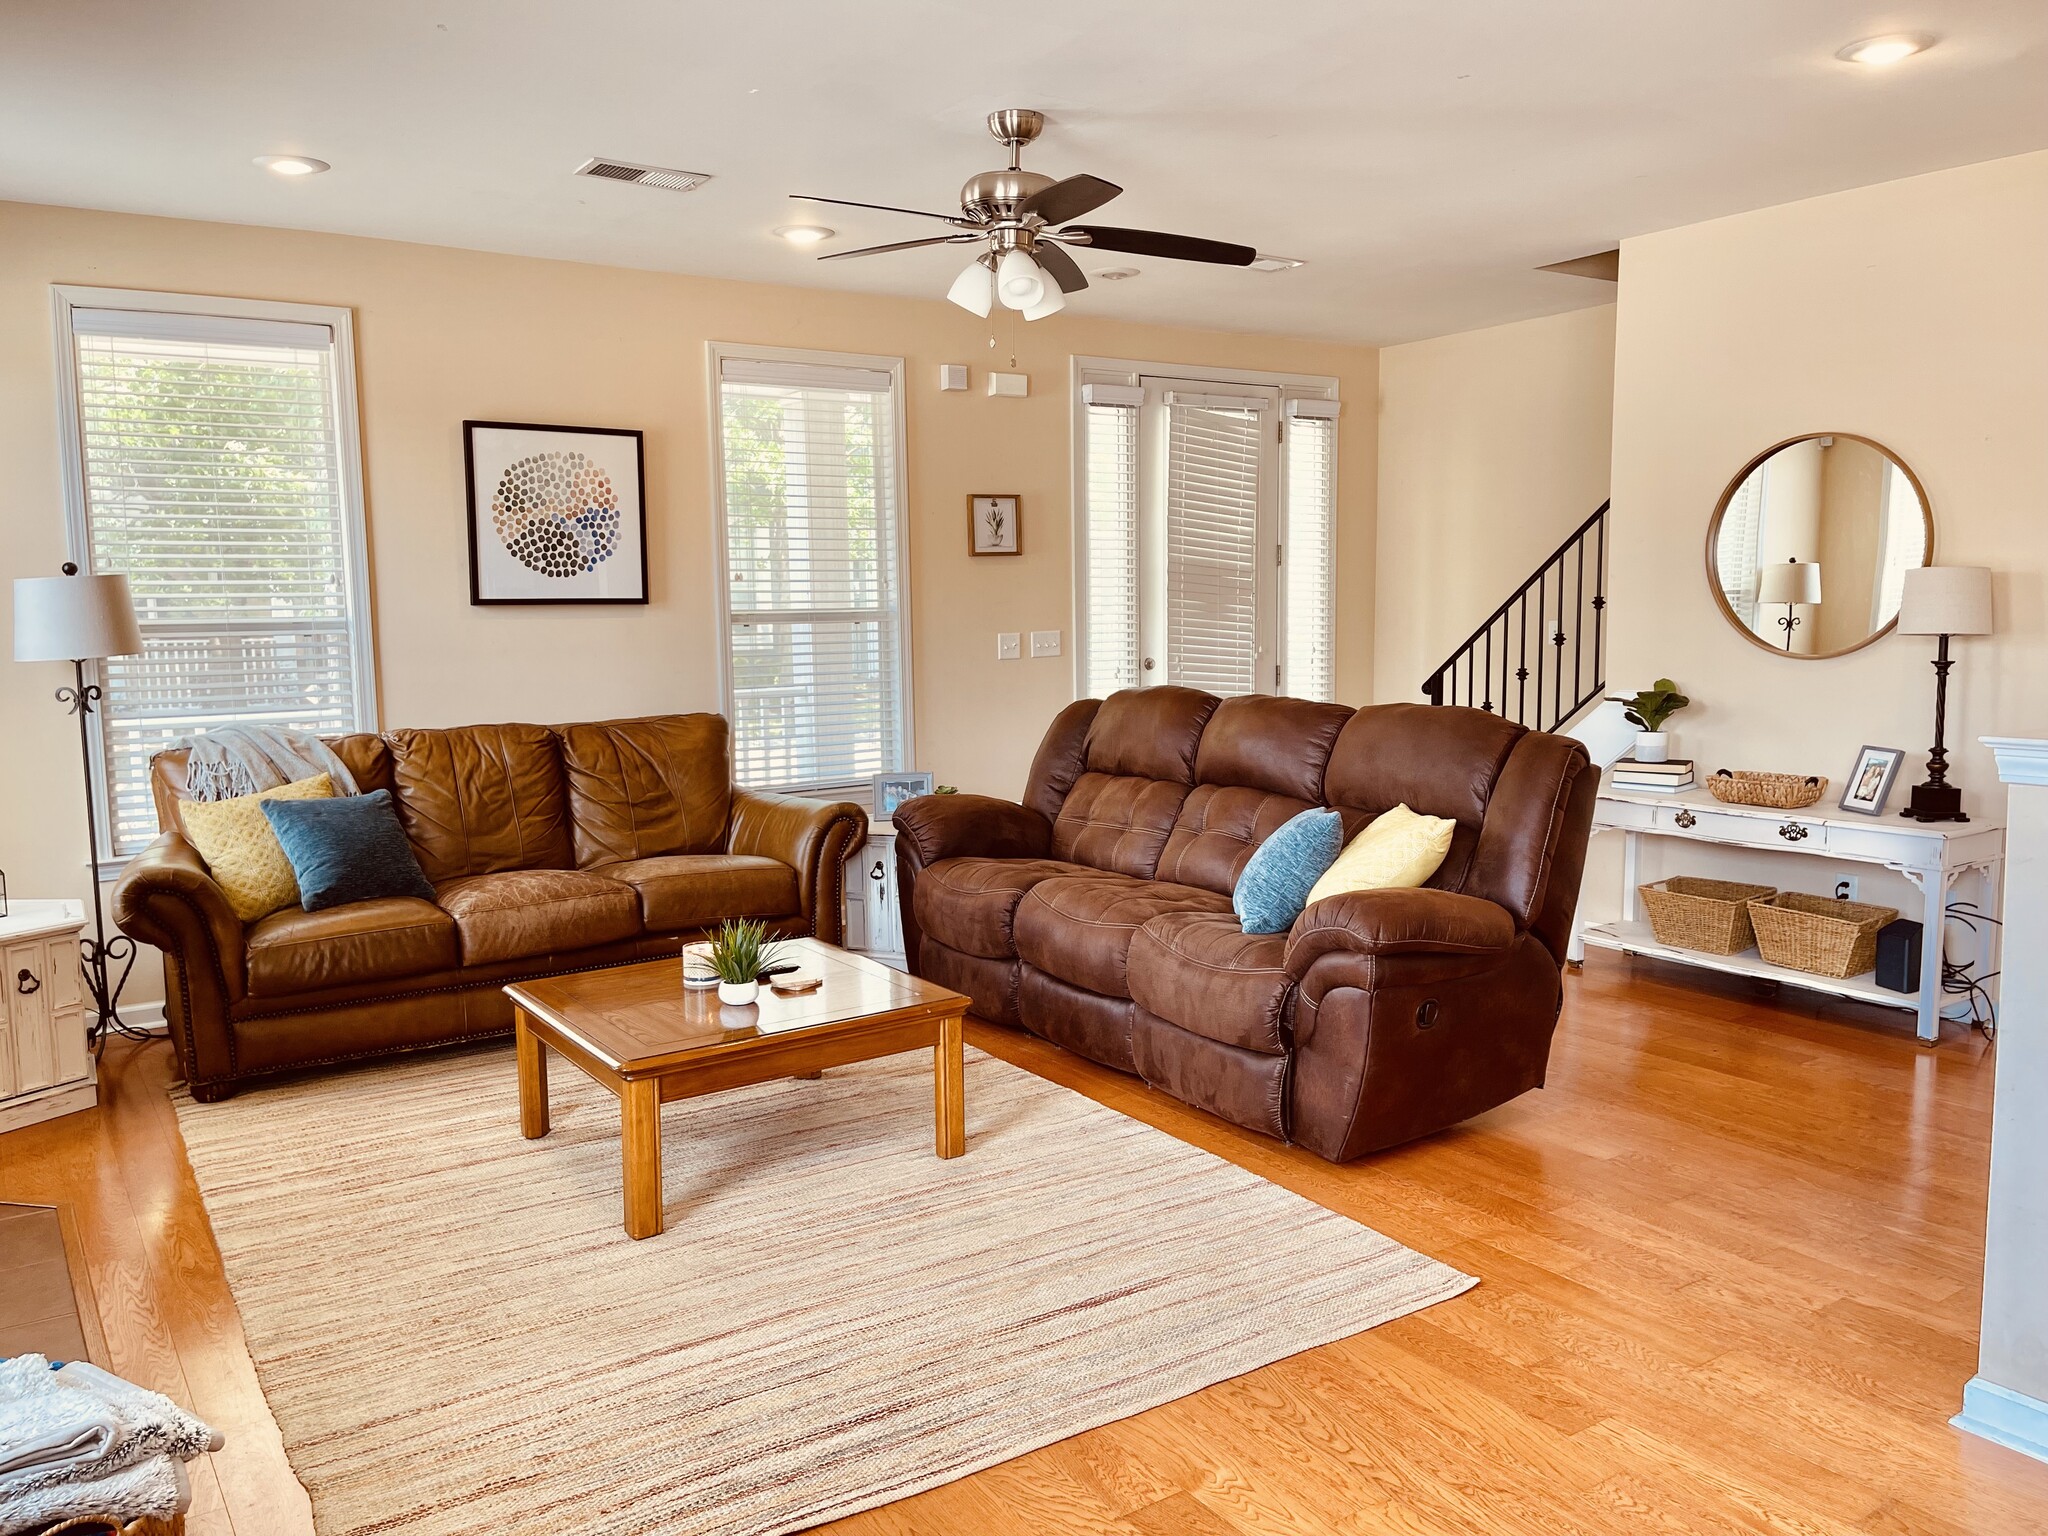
(148, 1017)
(2005, 1417)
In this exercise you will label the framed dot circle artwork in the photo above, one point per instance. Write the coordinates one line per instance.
(556, 514)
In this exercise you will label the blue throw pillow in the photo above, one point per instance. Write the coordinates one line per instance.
(353, 850)
(1275, 884)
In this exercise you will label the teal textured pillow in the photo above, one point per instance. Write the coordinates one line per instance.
(357, 851)
(1275, 884)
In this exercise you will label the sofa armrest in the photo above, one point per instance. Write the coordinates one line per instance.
(1400, 922)
(814, 837)
(934, 827)
(167, 897)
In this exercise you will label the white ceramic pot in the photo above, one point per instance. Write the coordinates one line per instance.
(1653, 746)
(738, 994)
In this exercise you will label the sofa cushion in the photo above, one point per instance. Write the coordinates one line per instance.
(482, 798)
(1117, 824)
(1436, 761)
(241, 849)
(512, 914)
(1202, 972)
(1261, 741)
(642, 789)
(1149, 733)
(353, 945)
(693, 890)
(1218, 829)
(1080, 927)
(970, 904)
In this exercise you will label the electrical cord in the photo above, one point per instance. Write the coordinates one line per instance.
(1959, 978)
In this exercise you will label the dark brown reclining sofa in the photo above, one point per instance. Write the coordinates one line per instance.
(550, 849)
(1097, 913)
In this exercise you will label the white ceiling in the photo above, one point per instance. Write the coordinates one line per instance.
(1423, 155)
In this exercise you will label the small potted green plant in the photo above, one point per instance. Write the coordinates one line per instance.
(740, 951)
(1647, 712)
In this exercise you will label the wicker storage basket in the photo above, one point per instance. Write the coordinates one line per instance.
(1779, 791)
(1818, 934)
(1711, 916)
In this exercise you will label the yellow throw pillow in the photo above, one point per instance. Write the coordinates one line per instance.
(247, 861)
(1399, 851)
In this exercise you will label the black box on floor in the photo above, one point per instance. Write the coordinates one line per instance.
(1898, 955)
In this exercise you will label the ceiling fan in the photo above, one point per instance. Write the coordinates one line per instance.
(1011, 213)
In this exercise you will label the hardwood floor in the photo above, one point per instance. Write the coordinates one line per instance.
(1730, 1262)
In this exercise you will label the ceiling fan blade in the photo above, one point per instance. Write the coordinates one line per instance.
(843, 202)
(1068, 199)
(1062, 267)
(900, 245)
(1150, 242)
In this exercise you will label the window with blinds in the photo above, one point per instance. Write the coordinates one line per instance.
(812, 529)
(1214, 448)
(1109, 549)
(1308, 567)
(210, 467)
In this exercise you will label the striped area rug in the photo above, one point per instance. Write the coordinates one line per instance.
(456, 1335)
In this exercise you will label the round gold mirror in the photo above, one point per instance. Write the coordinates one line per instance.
(1811, 542)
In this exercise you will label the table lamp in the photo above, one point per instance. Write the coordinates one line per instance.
(1796, 581)
(78, 618)
(1943, 600)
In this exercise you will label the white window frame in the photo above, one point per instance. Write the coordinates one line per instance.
(65, 300)
(1132, 372)
(715, 355)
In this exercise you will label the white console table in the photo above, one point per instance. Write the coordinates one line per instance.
(1934, 856)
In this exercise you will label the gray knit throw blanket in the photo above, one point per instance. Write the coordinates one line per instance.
(233, 760)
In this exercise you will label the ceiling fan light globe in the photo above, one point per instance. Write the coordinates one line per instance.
(1051, 304)
(974, 290)
(1019, 283)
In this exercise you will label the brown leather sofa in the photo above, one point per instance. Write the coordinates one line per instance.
(550, 850)
(1097, 913)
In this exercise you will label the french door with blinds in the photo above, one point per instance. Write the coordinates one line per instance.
(1204, 541)
(210, 456)
(810, 484)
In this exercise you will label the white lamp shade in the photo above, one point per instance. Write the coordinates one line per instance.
(1019, 283)
(974, 290)
(1796, 581)
(1051, 304)
(73, 618)
(1946, 600)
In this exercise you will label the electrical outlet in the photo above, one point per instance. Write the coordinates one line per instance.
(1845, 888)
(1009, 645)
(1045, 642)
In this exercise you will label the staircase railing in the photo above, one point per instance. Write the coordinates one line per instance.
(1516, 663)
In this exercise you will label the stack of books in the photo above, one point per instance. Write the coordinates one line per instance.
(1659, 778)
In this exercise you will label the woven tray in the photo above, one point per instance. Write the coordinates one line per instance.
(1779, 791)
(1818, 934)
(1711, 916)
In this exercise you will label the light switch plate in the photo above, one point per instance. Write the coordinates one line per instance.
(1045, 642)
(1015, 384)
(952, 375)
(1009, 645)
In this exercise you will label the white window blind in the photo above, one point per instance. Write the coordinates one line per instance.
(211, 466)
(1212, 501)
(812, 554)
(1110, 550)
(1742, 528)
(1308, 564)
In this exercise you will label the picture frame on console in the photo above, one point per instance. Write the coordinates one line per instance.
(892, 789)
(556, 514)
(1869, 783)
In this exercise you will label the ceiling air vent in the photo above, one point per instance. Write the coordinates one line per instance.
(659, 176)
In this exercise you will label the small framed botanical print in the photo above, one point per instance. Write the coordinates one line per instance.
(1870, 781)
(556, 514)
(993, 527)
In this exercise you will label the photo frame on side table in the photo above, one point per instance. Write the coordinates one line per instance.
(994, 525)
(892, 789)
(1869, 783)
(556, 514)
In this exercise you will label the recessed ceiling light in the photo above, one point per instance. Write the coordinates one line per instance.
(1277, 263)
(1117, 274)
(292, 165)
(1889, 49)
(804, 234)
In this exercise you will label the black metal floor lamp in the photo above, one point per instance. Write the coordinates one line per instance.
(78, 618)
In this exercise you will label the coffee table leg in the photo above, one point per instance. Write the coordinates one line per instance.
(533, 1077)
(949, 1097)
(640, 1144)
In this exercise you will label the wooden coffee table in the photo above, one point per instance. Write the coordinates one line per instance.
(637, 1031)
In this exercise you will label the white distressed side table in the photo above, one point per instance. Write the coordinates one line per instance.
(46, 1069)
(874, 923)
(1936, 856)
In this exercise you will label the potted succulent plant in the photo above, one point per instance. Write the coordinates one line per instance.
(1647, 712)
(740, 951)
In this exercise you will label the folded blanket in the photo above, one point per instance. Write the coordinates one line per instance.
(156, 1487)
(80, 1421)
(232, 760)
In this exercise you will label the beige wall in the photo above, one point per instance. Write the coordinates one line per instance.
(1914, 313)
(1493, 446)
(444, 334)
